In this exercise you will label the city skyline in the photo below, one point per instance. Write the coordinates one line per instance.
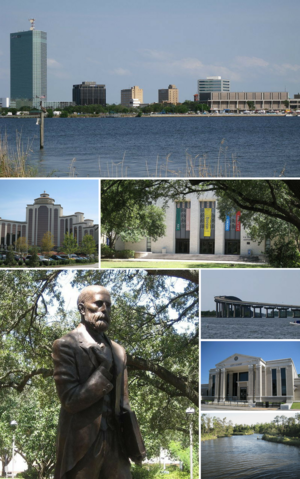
(154, 45)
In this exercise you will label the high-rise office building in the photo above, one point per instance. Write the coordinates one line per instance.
(28, 67)
(132, 93)
(168, 95)
(89, 93)
(210, 85)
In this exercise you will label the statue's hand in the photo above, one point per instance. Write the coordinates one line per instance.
(103, 355)
(138, 461)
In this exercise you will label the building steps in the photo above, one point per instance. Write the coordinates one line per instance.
(203, 257)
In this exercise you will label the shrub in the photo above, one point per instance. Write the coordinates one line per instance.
(107, 252)
(34, 261)
(10, 257)
(124, 253)
(284, 254)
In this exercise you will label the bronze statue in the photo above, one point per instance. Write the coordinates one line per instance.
(97, 431)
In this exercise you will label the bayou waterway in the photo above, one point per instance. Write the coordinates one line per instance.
(245, 457)
(172, 146)
(248, 328)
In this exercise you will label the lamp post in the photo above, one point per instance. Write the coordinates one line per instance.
(189, 412)
(13, 425)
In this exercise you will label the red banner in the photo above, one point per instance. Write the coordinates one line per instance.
(237, 221)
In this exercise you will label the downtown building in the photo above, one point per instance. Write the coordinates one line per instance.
(43, 216)
(168, 95)
(132, 97)
(193, 227)
(89, 93)
(253, 380)
(238, 101)
(28, 67)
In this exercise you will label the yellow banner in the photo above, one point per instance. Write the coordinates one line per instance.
(207, 221)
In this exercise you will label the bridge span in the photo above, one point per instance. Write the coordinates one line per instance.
(227, 306)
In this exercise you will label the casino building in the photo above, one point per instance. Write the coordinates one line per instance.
(193, 227)
(42, 216)
(251, 379)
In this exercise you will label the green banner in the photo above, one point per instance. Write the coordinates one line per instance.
(178, 221)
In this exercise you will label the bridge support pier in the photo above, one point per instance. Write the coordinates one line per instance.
(270, 312)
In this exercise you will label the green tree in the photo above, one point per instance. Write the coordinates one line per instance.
(21, 244)
(70, 244)
(48, 242)
(10, 257)
(251, 105)
(50, 113)
(88, 245)
(286, 103)
(64, 114)
(34, 260)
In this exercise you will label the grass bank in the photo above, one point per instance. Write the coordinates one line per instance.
(296, 405)
(13, 164)
(245, 433)
(289, 441)
(107, 263)
(208, 437)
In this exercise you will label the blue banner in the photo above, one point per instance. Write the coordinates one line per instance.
(227, 223)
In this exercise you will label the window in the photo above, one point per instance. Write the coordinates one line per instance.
(274, 383)
(234, 391)
(283, 382)
(243, 376)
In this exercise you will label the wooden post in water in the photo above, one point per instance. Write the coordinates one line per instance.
(42, 127)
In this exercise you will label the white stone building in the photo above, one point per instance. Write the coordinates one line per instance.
(251, 379)
(193, 227)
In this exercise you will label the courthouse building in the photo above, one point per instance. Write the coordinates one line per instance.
(254, 380)
(193, 227)
(42, 216)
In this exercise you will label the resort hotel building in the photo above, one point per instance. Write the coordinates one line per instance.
(253, 380)
(42, 216)
(193, 228)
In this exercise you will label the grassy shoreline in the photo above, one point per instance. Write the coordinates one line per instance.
(208, 437)
(288, 441)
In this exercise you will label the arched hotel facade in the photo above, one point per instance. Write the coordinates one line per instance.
(42, 216)
(193, 227)
(251, 379)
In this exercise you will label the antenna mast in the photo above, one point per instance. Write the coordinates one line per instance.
(32, 20)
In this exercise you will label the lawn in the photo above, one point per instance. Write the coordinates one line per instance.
(296, 405)
(106, 263)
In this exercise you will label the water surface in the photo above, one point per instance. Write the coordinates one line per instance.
(245, 457)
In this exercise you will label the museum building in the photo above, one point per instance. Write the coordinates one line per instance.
(253, 380)
(193, 227)
(42, 216)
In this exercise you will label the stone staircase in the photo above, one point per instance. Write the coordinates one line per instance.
(211, 258)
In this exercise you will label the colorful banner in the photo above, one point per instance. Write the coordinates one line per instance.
(227, 223)
(178, 219)
(188, 219)
(207, 221)
(237, 221)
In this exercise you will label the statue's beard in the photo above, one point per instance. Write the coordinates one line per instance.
(98, 321)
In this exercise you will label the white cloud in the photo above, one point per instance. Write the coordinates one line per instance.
(250, 62)
(120, 72)
(51, 63)
(158, 55)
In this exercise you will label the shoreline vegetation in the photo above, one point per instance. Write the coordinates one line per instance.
(288, 441)
(147, 115)
(208, 437)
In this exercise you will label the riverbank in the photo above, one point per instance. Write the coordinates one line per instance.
(288, 441)
(208, 437)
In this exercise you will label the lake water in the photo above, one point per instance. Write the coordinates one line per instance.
(137, 147)
(248, 328)
(245, 457)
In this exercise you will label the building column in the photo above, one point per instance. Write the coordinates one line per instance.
(210, 383)
(230, 384)
(278, 381)
(217, 384)
(223, 385)
(250, 383)
(258, 383)
(289, 383)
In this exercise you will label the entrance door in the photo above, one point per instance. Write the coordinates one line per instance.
(232, 247)
(207, 246)
(182, 246)
(243, 394)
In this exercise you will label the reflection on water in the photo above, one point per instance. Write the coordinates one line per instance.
(245, 457)
(245, 328)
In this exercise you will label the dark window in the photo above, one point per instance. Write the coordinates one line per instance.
(227, 393)
(283, 382)
(274, 383)
(234, 390)
(243, 377)
(213, 385)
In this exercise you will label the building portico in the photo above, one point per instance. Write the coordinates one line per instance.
(253, 380)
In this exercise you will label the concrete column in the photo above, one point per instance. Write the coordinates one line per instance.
(258, 383)
(230, 384)
(234, 310)
(289, 383)
(217, 385)
(269, 381)
(228, 310)
(210, 383)
(223, 385)
(278, 381)
(250, 383)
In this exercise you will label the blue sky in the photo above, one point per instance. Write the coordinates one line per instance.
(152, 44)
(213, 352)
(271, 286)
(73, 195)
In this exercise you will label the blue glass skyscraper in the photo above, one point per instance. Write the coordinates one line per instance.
(28, 67)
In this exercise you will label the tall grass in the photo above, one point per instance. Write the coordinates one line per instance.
(13, 163)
